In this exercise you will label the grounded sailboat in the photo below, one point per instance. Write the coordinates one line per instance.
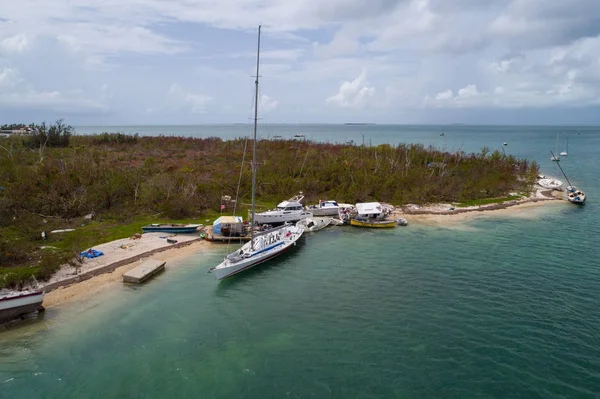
(265, 245)
(574, 195)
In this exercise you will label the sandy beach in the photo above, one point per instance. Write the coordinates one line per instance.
(108, 269)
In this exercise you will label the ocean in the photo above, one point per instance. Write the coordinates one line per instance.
(495, 307)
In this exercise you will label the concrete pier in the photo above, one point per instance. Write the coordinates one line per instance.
(144, 271)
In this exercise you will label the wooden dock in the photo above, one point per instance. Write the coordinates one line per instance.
(143, 272)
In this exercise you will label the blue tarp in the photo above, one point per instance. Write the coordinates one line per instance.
(91, 253)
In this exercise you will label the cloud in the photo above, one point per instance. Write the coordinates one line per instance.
(267, 104)
(180, 99)
(467, 54)
(353, 94)
(17, 43)
(445, 95)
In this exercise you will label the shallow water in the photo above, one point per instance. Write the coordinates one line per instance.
(491, 308)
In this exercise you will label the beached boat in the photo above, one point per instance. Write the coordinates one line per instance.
(289, 211)
(574, 195)
(371, 211)
(549, 183)
(262, 246)
(19, 303)
(170, 228)
(314, 223)
(326, 208)
(373, 223)
(345, 213)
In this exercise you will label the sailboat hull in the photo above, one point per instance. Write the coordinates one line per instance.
(265, 248)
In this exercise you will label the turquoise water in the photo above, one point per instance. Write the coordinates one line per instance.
(492, 308)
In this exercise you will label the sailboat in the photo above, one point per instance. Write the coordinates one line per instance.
(574, 195)
(555, 158)
(565, 152)
(265, 245)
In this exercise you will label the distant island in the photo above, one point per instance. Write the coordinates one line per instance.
(359, 124)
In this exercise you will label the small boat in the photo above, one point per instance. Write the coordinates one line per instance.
(373, 223)
(371, 210)
(289, 211)
(299, 136)
(326, 208)
(170, 228)
(402, 222)
(504, 144)
(552, 184)
(263, 246)
(19, 303)
(277, 137)
(314, 223)
(575, 196)
(565, 152)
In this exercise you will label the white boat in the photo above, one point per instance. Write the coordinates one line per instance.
(548, 183)
(326, 208)
(555, 158)
(575, 196)
(262, 246)
(566, 151)
(18, 303)
(314, 223)
(370, 211)
(289, 211)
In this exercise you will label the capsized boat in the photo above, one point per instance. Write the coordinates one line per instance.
(14, 304)
(314, 223)
(262, 246)
(171, 228)
(373, 223)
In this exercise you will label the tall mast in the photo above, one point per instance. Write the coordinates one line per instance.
(561, 169)
(254, 164)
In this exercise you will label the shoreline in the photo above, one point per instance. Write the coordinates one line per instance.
(94, 284)
(99, 273)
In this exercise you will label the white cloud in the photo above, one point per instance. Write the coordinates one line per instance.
(17, 43)
(468, 91)
(267, 104)
(179, 98)
(353, 94)
(444, 95)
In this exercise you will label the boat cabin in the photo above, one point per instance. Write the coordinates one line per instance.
(369, 210)
(229, 226)
(328, 204)
(293, 204)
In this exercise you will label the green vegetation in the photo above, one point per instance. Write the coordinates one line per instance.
(52, 179)
(487, 201)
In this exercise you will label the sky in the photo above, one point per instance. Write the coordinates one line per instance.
(127, 62)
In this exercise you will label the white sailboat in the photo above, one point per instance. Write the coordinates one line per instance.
(574, 195)
(566, 151)
(555, 158)
(262, 246)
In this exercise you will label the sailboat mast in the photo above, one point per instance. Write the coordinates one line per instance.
(561, 169)
(254, 164)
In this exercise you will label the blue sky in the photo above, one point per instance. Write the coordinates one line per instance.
(113, 62)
